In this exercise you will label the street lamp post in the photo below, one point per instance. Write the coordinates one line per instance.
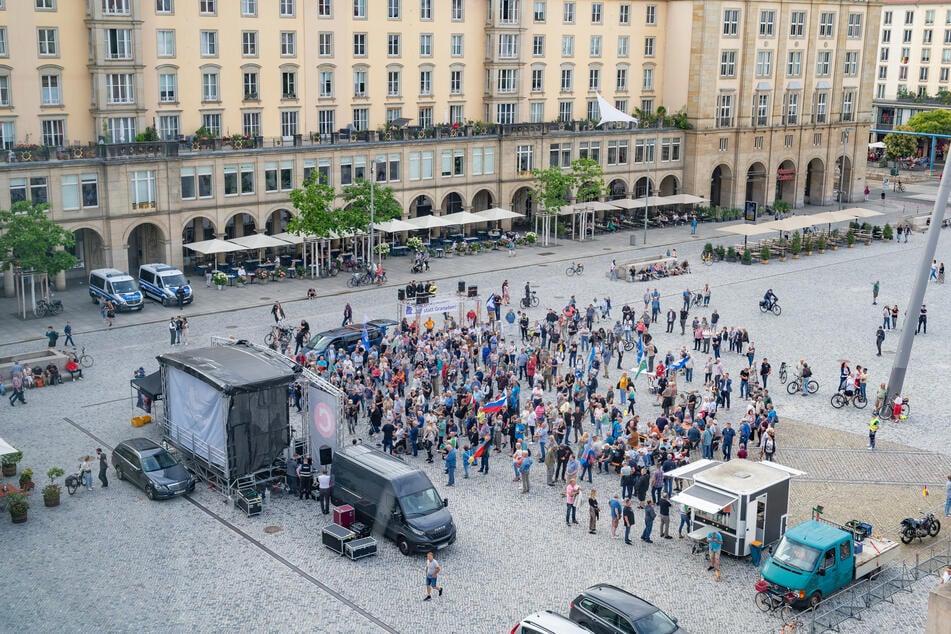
(845, 138)
(372, 208)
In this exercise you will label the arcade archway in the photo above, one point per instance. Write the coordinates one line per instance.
(756, 184)
(786, 182)
(452, 203)
(482, 200)
(617, 189)
(669, 186)
(421, 206)
(146, 244)
(815, 182)
(239, 225)
(721, 186)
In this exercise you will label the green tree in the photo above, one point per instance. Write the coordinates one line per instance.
(588, 178)
(552, 191)
(355, 215)
(31, 241)
(318, 213)
(898, 146)
(931, 122)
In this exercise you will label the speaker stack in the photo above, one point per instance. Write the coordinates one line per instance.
(473, 291)
(461, 288)
(401, 294)
(326, 455)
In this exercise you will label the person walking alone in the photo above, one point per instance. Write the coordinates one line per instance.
(872, 430)
(665, 517)
(86, 469)
(649, 515)
(879, 338)
(947, 497)
(628, 517)
(594, 512)
(922, 320)
(68, 332)
(17, 381)
(277, 311)
(347, 315)
(875, 288)
(432, 570)
(571, 493)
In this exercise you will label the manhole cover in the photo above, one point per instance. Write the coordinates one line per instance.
(230, 327)
(270, 530)
(606, 249)
(264, 298)
(547, 253)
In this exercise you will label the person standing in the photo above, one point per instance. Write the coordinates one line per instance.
(872, 430)
(347, 315)
(277, 311)
(879, 338)
(17, 381)
(68, 332)
(450, 464)
(324, 488)
(594, 512)
(292, 481)
(693, 225)
(571, 494)
(103, 467)
(51, 336)
(922, 320)
(616, 510)
(305, 475)
(867, 192)
(895, 317)
(875, 288)
(432, 570)
(716, 545)
(524, 469)
(671, 318)
(179, 325)
(664, 507)
(183, 331)
(649, 515)
(765, 369)
(172, 331)
(628, 516)
(550, 460)
(684, 520)
(726, 440)
(947, 497)
(86, 469)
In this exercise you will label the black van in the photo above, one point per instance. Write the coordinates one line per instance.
(348, 337)
(397, 500)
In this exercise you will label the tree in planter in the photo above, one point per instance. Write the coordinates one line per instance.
(18, 505)
(52, 491)
(721, 252)
(552, 189)
(708, 248)
(9, 462)
(784, 247)
(807, 243)
(832, 242)
(781, 207)
(887, 233)
(219, 279)
(26, 479)
(795, 245)
(414, 243)
(747, 257)
(821, 244)
(850, 237)
(731, 255)
(764, 253)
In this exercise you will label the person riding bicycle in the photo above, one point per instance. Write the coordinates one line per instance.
(769, 299)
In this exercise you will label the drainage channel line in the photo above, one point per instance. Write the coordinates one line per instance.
(115, 400)
(254, 542)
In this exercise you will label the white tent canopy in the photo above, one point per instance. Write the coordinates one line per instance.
(463, 218)
(610, 114)
(429, 222)
(395, 226)
(497, 213)
(258, 241)
(208, 247)
(293, 238)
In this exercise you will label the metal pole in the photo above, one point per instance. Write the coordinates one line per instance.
(896, 379)
(647, 201)
(845, 138)
(372, 208)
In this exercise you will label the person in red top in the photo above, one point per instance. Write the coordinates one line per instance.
(73, 368)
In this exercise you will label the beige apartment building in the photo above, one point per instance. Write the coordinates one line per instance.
(452, 102)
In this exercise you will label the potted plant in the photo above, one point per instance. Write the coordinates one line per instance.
(26, 479)
(832, 241)
(18, 505)
(280, 273)
(708, 248)
(821, 243)
(414, 243)
(850, 237)
(382, 249)
(262, 274)
(747, 257)
(781, 207)
(807, 243)
(731, 255)
(784, 247)
(887, 233)
(219, 279)
(9, 462)
(301, 271)
(52, 490)
(764, 254)
(876, 232)
(531, 238)
(795, 245)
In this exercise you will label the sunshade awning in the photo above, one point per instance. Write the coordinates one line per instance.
(208, 247)
(793, 222)
(6, 448)
(610, 114)
(429, 222)
(258, 241)
(497, 213)
(293, 238)
(748, 230)
(861, 212)
(704, 499)
(150, 385)
(394, 226)
(463, 218)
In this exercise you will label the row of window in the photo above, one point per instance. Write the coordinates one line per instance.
(508, 12)
(325, 8)
(764, 63)
(927, 36)
(797, 24)
(760, 116)
(888, 16)
(905, 55)
(78, 190)
(923, 73)
(109, 7)
(249, 8)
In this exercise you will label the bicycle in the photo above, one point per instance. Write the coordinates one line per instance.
(84, 358)
(782, 373)
(329, 271)
(774, 308)
(840, 399)
(529, 302)
(812, 386)
(770, 600)
(279, 333)
(708, 258)
(696, 300)
(887, 409)
(576, 268)
(47, 307)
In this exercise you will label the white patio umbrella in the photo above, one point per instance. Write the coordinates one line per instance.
(497, 213)
(259, 241)
(293, 238)
(429, 222)
(209, 247)
(394, 226)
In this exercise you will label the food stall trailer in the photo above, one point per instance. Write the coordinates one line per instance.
(746, 501)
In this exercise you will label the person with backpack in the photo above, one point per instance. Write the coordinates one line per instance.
(769, 444)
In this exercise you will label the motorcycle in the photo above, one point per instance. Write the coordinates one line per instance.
(926, 526)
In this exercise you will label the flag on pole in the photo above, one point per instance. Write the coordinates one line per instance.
(591, 358)
(495, 406)
(481, 449)
(365, 337)
(640, 368)
(640, 348)
(680, 364)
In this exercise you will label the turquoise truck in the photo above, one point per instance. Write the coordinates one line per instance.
(817, 558)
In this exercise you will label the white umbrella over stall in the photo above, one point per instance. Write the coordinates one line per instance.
(209, 247)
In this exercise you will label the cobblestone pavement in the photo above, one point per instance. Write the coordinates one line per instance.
(113, 558)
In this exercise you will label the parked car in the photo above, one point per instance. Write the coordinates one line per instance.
(348, 337)
(548, 622)
(150, 467)
(607, 609)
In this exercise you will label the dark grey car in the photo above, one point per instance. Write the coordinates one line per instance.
(152, 468)
(607, 609)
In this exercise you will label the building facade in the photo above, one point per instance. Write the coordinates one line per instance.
(451, 103)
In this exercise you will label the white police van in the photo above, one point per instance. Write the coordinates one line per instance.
(161, 282)
(115, 285)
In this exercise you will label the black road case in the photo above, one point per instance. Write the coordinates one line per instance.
(360, 548)
(334, 537)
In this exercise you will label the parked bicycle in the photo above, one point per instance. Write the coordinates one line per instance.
(840, 399)
(783, 373)
(280, 333)
(696, 300)
(769, 599)
(47, 307)
(531, 301)
(887, 411)
(330, 270)
(85, 359)
(812, 386)
(708, 258)
(576, 268)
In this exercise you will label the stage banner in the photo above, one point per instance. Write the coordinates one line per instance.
(323, 422)
(434, 306)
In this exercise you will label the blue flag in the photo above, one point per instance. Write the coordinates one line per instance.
(365, 338)
(640, 348)
(680, 364)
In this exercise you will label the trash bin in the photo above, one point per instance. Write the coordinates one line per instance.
(756, 552)
(633, 239)
(893, 171)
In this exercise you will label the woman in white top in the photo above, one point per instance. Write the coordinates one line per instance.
(86, 469)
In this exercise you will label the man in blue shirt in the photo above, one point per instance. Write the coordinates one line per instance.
(616, 511)
(716, 544)
(451, 465)
(728, 434)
